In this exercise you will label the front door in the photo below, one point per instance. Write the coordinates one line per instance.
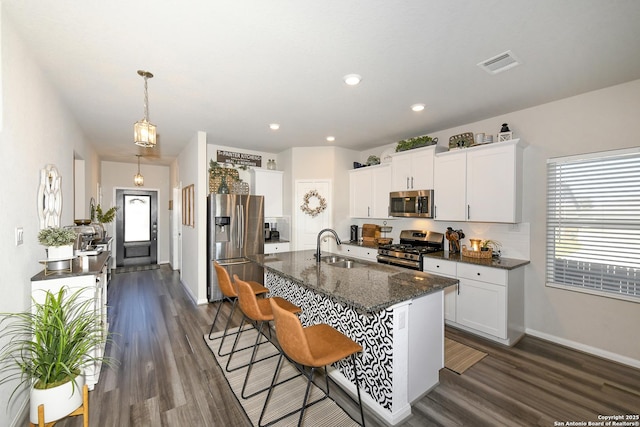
(136, 227)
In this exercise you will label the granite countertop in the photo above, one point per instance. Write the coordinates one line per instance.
(369, 287)
(501, 262)
(276, 241)
(96, 262)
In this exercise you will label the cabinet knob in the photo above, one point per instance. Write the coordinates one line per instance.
(478, 274)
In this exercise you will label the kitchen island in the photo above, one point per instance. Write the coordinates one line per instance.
(396, 315)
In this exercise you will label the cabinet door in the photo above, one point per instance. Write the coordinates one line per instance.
(450, 187)
(447, 269)
(482, 306)
(401, 172)
(422, 170)
(381, 185)
(268, 183)
(492, 184)
(360, 191)
(274, 248)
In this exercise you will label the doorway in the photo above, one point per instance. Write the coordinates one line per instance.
(136, 227)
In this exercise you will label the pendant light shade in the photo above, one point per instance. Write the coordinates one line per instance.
(138, 179)
(144, 133)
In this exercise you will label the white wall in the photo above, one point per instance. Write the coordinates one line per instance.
(36, 130)
(193, 170)
(156, 177)
(601, 120)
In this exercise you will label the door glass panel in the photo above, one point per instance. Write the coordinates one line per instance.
(137, 214)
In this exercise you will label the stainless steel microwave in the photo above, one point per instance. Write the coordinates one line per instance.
(416, 203)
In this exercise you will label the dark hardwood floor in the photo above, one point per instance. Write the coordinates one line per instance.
(168, 377)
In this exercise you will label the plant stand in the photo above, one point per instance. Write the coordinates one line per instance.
(82, 410)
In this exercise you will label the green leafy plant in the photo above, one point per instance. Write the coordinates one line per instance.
(106, 217)
(48, 345)
(493, 245)
(415, 142)
(56, 236)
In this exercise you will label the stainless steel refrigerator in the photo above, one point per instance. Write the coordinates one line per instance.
(235, 229)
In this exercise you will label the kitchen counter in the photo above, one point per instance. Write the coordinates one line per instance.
(361, 244)
(370, 287)
(96, 263)
(394, 313)
(501, 262)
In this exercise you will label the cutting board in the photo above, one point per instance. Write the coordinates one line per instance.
(370, 233)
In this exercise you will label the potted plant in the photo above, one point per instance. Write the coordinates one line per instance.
(47, 349)
(58, 241)
(491, 245)
(415, 142)
(105, 217)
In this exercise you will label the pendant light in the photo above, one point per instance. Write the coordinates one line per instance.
(144, 133)
(138, 179)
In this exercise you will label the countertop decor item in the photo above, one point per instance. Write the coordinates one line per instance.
(454, 236)
(58, 241)
(306, 205)
(60, 324)
(373, 160)
(217, 171)
(144, 132)
(415, 142)
(462, 140)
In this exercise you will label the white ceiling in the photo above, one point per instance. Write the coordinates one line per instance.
(230, 68)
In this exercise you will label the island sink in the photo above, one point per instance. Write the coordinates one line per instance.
(336, 261)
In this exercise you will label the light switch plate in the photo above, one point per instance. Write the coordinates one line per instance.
(19, 236)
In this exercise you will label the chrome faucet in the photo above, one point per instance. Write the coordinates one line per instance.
(319, 235)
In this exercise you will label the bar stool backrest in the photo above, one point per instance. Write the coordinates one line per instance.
(291, 336)
(248, 301)
(224, 281)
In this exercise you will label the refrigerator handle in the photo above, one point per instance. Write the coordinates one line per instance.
(238, 226)
(242, 228)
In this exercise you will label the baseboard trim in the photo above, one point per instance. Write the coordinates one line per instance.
(615, 357)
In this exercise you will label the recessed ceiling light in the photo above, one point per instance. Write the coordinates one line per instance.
(417, 107)
(274, 126)
(352, 79)
(331, 138)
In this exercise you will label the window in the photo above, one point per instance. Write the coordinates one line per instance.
(593, 223)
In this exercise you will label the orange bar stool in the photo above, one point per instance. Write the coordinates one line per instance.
(315, 347)
(259, 312)
(229, 294)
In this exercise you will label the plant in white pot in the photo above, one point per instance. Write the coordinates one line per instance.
(105, 217)
(47, 349)
(58, 241)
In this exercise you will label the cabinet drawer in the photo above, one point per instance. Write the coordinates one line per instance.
(438, 266)
(484, 274)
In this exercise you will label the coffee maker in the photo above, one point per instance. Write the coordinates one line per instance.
(354, 233)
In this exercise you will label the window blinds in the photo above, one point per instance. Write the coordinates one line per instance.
(593, 223)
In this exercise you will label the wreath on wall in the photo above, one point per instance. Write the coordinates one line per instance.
(322, 203)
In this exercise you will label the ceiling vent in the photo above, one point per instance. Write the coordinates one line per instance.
(500, 63)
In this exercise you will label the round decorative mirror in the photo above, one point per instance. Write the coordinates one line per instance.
(49, 197)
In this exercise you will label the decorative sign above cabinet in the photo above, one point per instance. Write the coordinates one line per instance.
(239, 158)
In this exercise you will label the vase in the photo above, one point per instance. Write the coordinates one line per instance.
(224, 188)
(59, 252)
(58, 401)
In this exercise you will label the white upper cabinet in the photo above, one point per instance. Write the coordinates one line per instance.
(268, 183)
(480, 184)
(449, 186)
(369, 189)
(413, 169)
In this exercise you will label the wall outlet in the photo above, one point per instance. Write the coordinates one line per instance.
(19, 236)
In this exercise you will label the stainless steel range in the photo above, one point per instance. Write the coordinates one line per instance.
(413, 245)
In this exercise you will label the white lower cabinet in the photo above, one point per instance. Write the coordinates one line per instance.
(274, 248)
(361, 252)
(447, 269)
(488, 301)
